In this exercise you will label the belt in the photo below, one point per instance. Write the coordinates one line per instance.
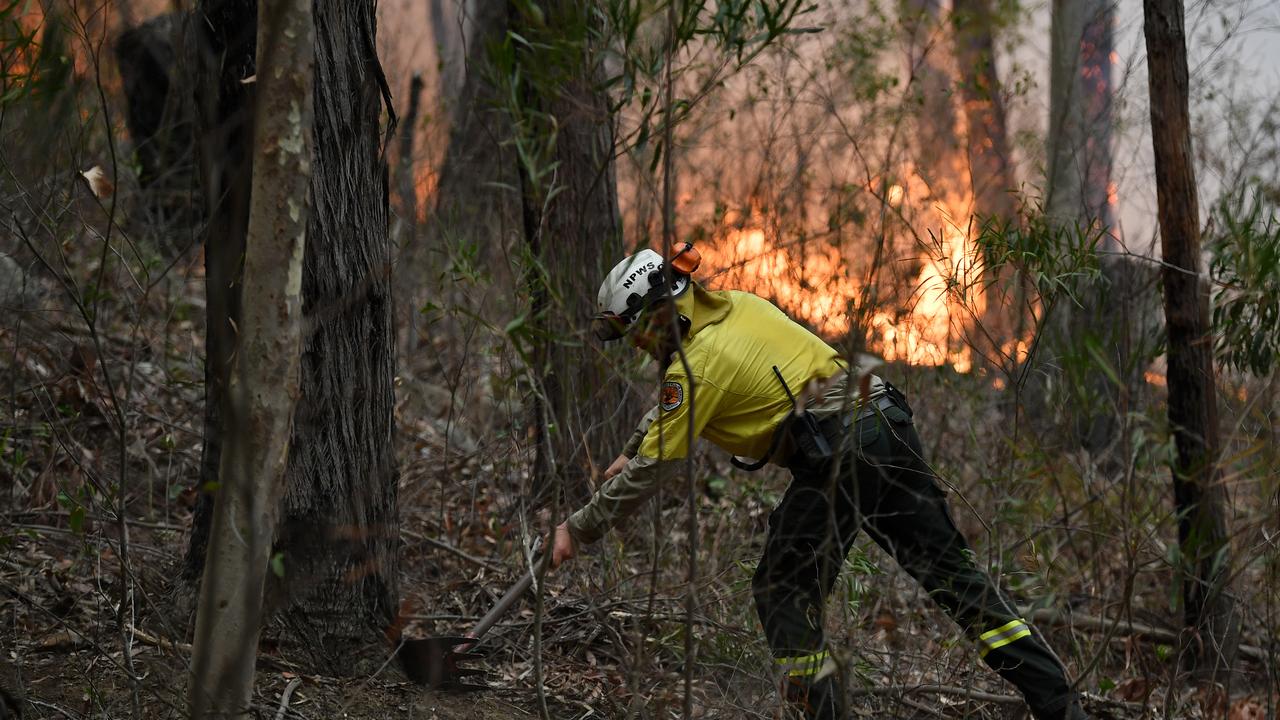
(835, 426)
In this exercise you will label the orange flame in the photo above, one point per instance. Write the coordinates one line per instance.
(812, 281)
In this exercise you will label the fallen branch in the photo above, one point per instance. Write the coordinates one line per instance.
(162, 643)
(1049, 616)
(456, 551)
(284, 697)
(186, 649)
(938, 690)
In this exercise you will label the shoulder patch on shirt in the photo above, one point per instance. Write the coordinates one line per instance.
(672, 395)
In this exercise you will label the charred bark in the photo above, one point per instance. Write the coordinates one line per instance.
(159, 118)
(221, 41)
(338, 530)
(1199, 493)
(1078, 204)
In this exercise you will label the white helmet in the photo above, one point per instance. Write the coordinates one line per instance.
(632, 286)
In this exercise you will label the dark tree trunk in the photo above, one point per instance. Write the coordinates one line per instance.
(339, 527)
(1199, 493)
(938, 158)
(573, 231)
(478, 160)
(159, 120)
(221, 42)
(166, 213)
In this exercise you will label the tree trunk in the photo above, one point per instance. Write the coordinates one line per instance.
(1199, 494)
(338, 533)
(1079, 185)
(991, 176)
(938, 159)
(473, 205)
(1077, 201)
(221, 43)
(990, 165)
(573, 231)
(264, 377)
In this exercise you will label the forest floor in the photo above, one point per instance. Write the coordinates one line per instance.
(611, 641)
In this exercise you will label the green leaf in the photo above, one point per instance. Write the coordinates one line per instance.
(1164, 652)
(277, 564)
(77, 519)
(1106, 684)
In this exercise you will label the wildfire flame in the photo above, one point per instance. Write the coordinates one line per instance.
(815, 283)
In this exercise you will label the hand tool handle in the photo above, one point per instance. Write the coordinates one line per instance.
(522, 585)
(502, 606)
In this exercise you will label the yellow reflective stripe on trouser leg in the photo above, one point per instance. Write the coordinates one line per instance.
(1003, 635)
(802, 665)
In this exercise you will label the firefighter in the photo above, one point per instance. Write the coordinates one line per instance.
(733, 366)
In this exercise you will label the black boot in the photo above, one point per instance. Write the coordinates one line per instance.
(817, 700)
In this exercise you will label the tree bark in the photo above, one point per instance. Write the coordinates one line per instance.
(1079, 183)
(991, 174)
(264, 377)
(1200, 496)
(938, 159)
(990, 166)
(221, 42)
(1077, 202)
(338, 532)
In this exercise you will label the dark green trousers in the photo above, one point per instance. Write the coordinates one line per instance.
(884, 485)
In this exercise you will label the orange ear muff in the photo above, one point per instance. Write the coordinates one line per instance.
(687, 260)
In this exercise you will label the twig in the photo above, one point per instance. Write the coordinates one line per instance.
(55, 708)
(165, 644)
(456, 551)
(284, 697)
(939, 690)
(1049, 616)
(162, 643)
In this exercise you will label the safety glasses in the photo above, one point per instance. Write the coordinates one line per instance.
(608, 327)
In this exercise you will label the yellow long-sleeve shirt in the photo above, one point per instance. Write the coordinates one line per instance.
(724, 390)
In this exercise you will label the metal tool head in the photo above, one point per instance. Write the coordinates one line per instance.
(434, 661)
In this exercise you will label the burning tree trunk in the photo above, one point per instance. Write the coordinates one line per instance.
(937, 151)
(1198, 489)
(1078, 200)
(573, 232)
(472, 202)
(264, 379)
(337, 538)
